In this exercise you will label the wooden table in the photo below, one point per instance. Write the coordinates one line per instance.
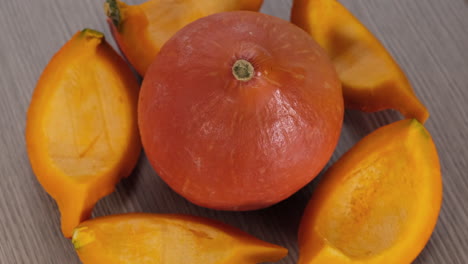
(429, 38)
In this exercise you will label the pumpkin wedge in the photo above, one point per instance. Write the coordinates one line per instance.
(141, 30)
(378, 204)
(81, 130)
(158, 238)
(372, 80)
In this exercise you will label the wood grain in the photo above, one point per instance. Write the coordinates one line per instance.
(429, 38)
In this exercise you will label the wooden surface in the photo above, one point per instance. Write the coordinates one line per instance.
(429, 38)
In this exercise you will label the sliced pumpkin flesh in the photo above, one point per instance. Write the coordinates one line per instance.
(150, 238)
(379, 203)
(371, 78)
(81, 133)
(141, 30)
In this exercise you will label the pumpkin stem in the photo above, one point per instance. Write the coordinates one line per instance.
(82, 237)
(243, 70)
(112, 9)
(91, 33)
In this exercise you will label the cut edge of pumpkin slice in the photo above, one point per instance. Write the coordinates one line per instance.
(77, 147)
(372, 80)
(379, 203)
(199, 238)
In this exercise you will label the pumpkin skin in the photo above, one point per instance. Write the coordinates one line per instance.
(231, 144)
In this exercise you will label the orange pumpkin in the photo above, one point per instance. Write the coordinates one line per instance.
(240, 110)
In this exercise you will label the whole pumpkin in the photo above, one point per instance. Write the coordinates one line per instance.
(240, 110)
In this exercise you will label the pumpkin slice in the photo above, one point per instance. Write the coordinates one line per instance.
(378, 204)
(141, 30)
(372, 80)
(158, 238)
(81, 130)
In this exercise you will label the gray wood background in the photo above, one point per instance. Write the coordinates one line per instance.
(429, 38)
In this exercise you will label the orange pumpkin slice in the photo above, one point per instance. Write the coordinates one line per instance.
(378, 204)
(372, 80)
(81, 130)
(141, 30)
(151, 238)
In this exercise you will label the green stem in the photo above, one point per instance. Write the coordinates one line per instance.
(87, 32)
(113, 12)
